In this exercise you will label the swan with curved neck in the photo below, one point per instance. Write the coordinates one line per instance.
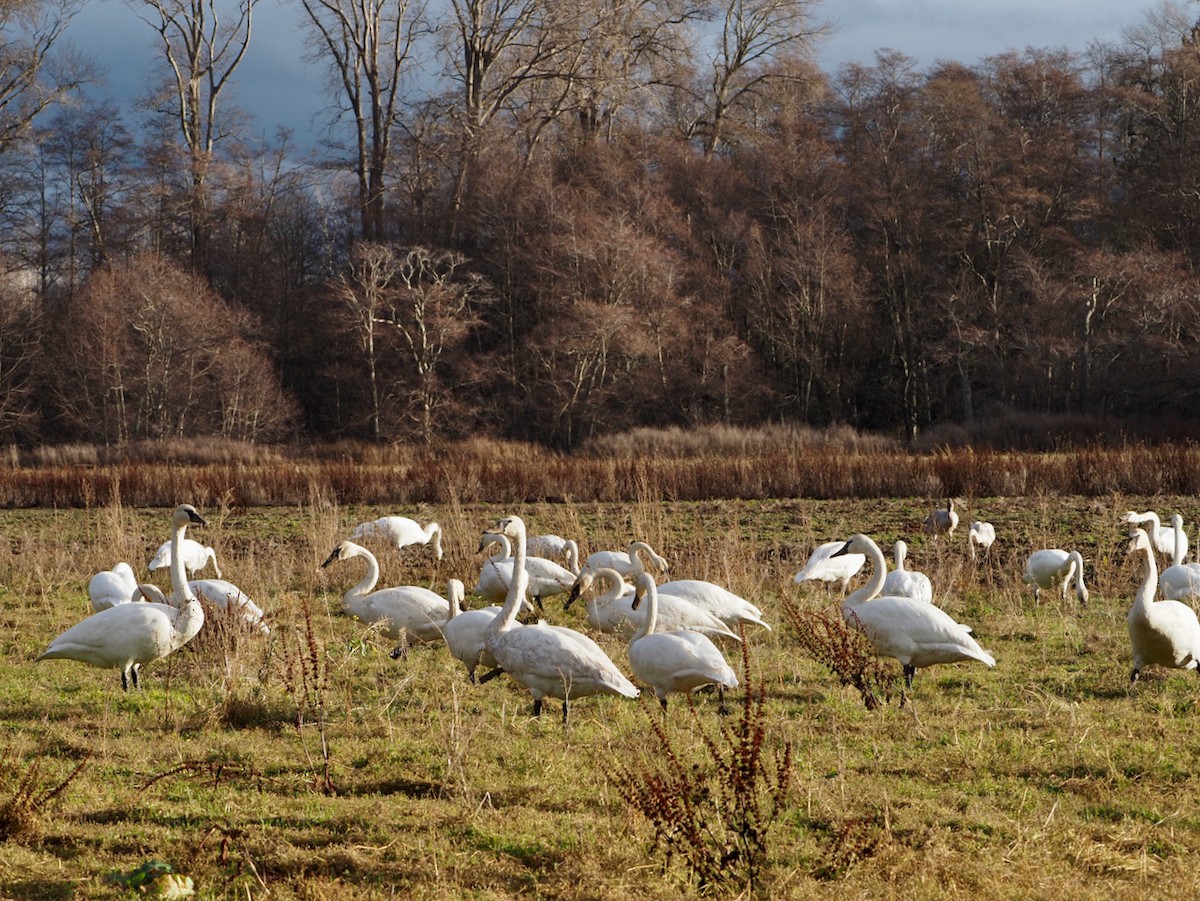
(550, 661)
(411, 611)
(628, 563)
(546, 578)
(901, 582)
(195, 556)
(1163, 633)
(615, 610)
(1055, 568)
(915, 633)
(823, 567)
(128, 635)
(729, 608)
(402, 532)
(674, 661)
(1162, 539)
(1179, 580)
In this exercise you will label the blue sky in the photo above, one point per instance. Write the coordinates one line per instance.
(276, 86)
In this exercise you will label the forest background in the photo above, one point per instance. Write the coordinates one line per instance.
(549, 224)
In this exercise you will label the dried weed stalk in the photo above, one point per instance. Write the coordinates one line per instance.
(20, 812)
(715, 814)
(305, 678)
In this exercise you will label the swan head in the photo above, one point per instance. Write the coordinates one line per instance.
(659, 563)
(150, 593)
(855, 544)
(187, 515)
(641, 588)
(344, 551)
(1138, 541)
(487, 539)
(511, 526)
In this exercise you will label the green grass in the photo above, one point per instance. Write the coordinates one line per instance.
(1045, 777)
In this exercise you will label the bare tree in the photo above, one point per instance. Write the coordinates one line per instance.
(203, 52)
(368, 44)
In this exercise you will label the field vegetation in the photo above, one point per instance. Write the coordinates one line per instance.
(309, 764)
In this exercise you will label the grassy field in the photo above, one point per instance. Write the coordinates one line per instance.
(311, 765)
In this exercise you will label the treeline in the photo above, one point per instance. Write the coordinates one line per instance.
(548, 247)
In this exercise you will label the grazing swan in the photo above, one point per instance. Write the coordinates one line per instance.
(915, 633)
(1162, 538)
(1054, 568)
(980, 537)
(401, 531)
(823, 567)
(627, 563)
(127, 635)
(731, 609)
(905, 583)
(464, 630)
(112, 587)
(679, 660)
(226, 596)
(1163, 633)
(615, 610)
(410, 610)
(942, 521)
(195, 556)
(555, 546)
(548, 660)
(546, 578)
(1179, 580)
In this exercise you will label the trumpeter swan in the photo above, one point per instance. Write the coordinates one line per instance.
(823, 567)
(731, 609)
(409, 610)
(1179, 580)
(225, 596)
(128, 635)
(1161, 538)
(677, 660)
(195, 556)
(1163, 633)
(402, 532)
(557, 548)
(907, 583)
(980, 537)
(1054, 568)
(464, 630)
(112, 587)
(942, 521)
(627, 563)
(550, 661)
(915, 633)
(615, 610)
(546, 578)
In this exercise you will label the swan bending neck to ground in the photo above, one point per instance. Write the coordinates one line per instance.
(1054, 568)
(548, 660)
(401, 531)
(1162, 633)
(915, 633)
(127, 635)
(942, 521)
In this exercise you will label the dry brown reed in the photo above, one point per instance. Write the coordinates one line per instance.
(29, 795)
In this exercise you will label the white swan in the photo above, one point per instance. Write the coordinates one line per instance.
(906, 583)
(822, 567)
(128, 635)
(731, 609)
(674, 660)
(627, 563)
(225, 596)
(614, 611)
(111, 587)
(942, 521)
(548, 660)
(1054, 568)
(402, 532)
(980, 537)
(1163, 633)
(195, 556)
(409, 610)
(546, 578)
(555, 547)
(464, 630)
(1162, 538)
(1179, 580)
(915, 633)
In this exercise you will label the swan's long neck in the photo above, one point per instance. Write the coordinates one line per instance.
(1177, 528)
(878, 574)
(616, 586)
(651, 613)
(572, 549)
(505, 547)
(1076, 559)
(517, 587)
(901, 551)
(433, 533)
(212, 555)
(181, 592)
(363, 588)
(1145, 595)
(455, 592)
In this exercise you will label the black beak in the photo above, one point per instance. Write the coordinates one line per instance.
(844, 549)
(337, 553)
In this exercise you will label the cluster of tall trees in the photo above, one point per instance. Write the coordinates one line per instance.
(545, 220)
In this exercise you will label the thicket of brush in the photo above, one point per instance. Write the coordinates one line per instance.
(673, 465)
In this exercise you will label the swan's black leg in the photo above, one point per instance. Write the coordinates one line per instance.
(537, 706)
(722, 708)
(490, 675)
(663, 703)
(909, 672)
(124, 681)
(566, 710)
(135, 671)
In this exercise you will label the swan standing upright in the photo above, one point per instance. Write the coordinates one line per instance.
(1163, 633)
(905, 583)
(615, 610)
(1054, 568)
(402, 532)
(823, 567)
(128, 635)
(1162, 539)
(409, 610)
(464, 630)
(550, 661)
(980, 537)
(1179, 580)
(915, 633)
(680, 660)
(112, 587)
